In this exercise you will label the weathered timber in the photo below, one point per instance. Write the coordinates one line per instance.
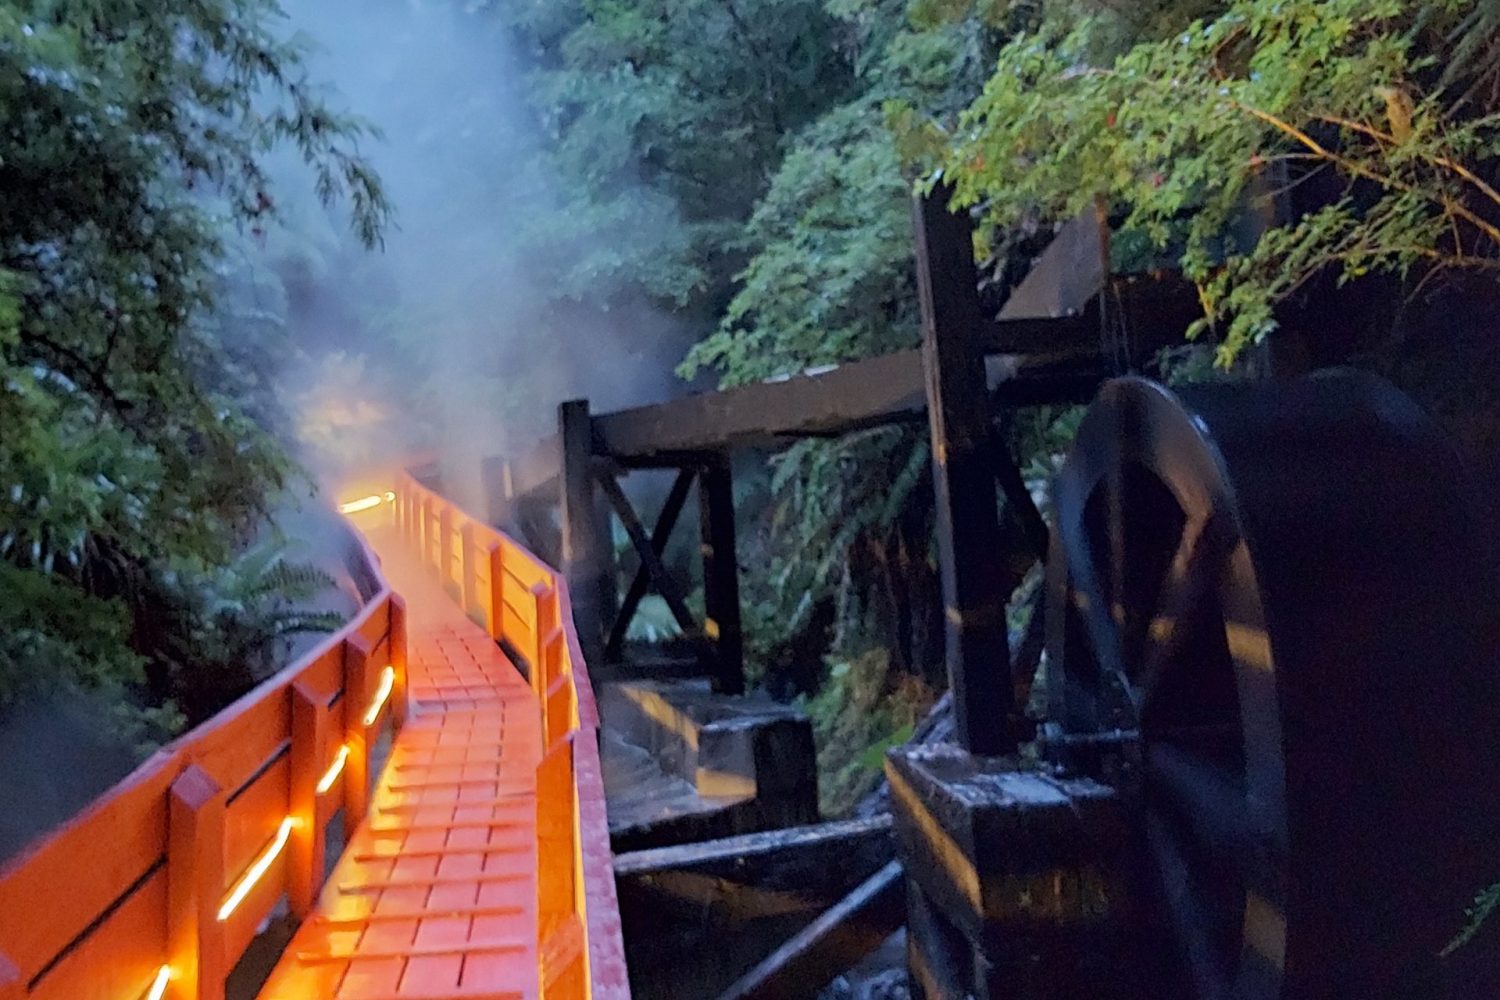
(968, 530)
(1065, 280)
(650, 558)
(697, 916)
(751, 753)
(666, 520)
(1022, 879)
(721, 576)
(843, 935)
(587, 556)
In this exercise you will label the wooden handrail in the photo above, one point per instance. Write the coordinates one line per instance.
(524, 605)
(157, 889)
(159, 886)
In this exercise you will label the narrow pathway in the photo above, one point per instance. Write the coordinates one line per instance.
(435, 896)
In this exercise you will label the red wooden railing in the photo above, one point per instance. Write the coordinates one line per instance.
(523, 604)
(157, 889)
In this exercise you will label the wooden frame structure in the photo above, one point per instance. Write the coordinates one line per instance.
(1062, 333)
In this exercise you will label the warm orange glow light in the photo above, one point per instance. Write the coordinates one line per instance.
(159, 985)
(334, 770)
(387, 682)
(258, 870)
(363, 503)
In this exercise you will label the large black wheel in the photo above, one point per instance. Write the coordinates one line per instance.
(1284, 592)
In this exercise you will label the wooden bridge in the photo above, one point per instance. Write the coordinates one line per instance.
(477, 864)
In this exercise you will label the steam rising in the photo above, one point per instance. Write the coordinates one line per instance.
(450, 341)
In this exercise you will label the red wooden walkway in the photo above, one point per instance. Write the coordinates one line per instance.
(478, 867)
(435, 896)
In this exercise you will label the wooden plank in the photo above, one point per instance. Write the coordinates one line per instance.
(1064, 281)
(123, 835)
(128, 947)
(661, 532)
(837, 940)
(195, 879)
(968, 531)
(721, 576)
(253, 817)
(839, 398)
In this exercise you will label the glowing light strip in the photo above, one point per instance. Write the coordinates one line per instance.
(334, 770)
(257, 870)
(387, 682)
(364, 503)
(159, 985)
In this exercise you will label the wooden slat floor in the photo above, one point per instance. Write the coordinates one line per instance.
(435, 895)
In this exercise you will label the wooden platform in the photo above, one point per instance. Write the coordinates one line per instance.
(435, 897)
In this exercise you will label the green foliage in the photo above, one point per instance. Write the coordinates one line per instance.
(226, 626)
(1485, 905)
(131, 157)
(667, 117)
(1179, 131)
(863, 709)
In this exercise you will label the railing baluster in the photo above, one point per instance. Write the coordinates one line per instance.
(468, 568)
(445, 546)
(195, 881)
(399, 650)
(497, 591)
(357, 692)
(309, 762)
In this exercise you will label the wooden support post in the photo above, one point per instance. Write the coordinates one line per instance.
(468, 570)
(401, 693)
(587, 556)
(721, 582)
(358, 674)
(195, 882)
(497, 591)
(661, 532)
(968, 529)
(445, 546)
(533, 648)
(310, 759)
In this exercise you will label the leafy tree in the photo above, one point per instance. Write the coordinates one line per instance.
(133, 140)
(1179, 131)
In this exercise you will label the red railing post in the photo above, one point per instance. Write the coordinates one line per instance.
(533, 648)
(399, 650)
(497, 591)
(468, 580)
(195, 881)
(357, 692)
(309, 762)
(445, 546)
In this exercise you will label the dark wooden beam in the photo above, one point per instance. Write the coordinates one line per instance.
(1069, 275)
(721, 582)
(849, 930)
(660, 533)
(650, 558)
(968, 528)
(1018, 500)
(845, 397)
(587, 555)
